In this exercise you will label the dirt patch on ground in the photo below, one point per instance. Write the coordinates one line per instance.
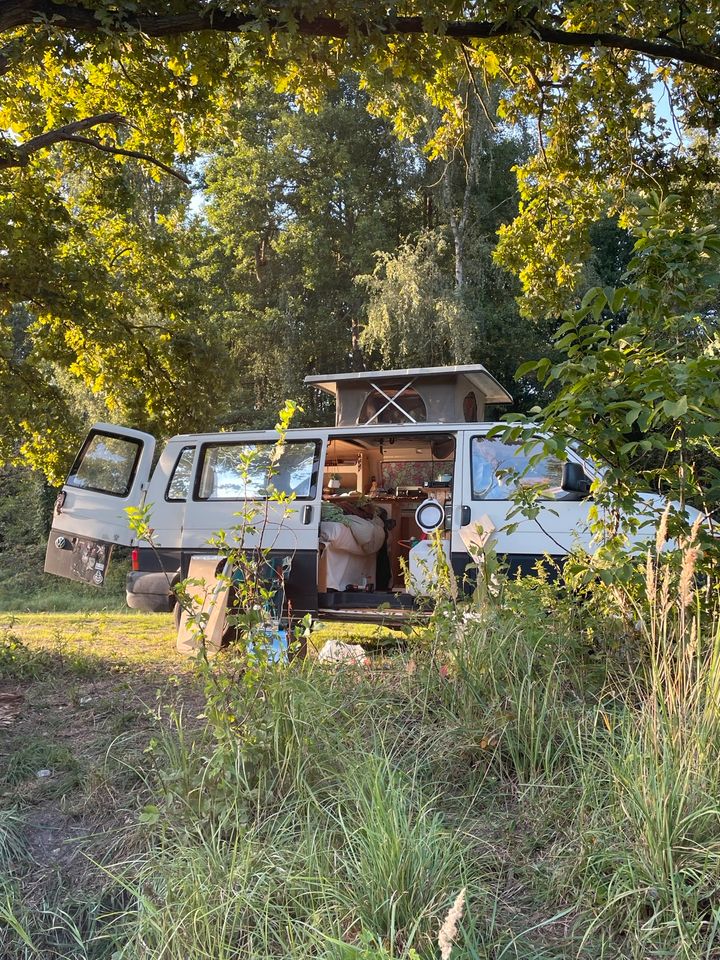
(80, 699)
(11, 704)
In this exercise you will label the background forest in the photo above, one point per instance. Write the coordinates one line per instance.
(305, 242)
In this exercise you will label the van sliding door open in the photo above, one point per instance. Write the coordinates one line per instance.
(109, 474)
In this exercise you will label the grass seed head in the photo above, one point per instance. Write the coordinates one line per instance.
(686, 576)
(649, 577)
(661, 535)
(449, 928)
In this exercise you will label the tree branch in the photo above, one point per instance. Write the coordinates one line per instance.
(75, 17)
(22, 152)
(69, 133)
(135, 154)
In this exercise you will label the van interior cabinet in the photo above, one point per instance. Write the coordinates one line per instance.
(409, 531)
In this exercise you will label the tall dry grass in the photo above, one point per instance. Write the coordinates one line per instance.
(650, 827)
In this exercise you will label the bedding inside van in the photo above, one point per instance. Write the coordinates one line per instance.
(349, 551)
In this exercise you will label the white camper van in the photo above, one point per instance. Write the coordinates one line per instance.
(409, 454)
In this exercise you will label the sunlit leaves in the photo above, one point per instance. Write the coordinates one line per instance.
(642, 394)
(592, 106)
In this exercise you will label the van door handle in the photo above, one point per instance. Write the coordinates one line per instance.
(465, 516)
(307, 514)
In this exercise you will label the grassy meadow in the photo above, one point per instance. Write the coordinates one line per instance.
(552, 760)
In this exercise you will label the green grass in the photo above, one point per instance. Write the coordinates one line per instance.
(569, 784)
(80, 639)
(70, 598)
(12, 840)
(38, 754)
(79, 698)
(24, 588)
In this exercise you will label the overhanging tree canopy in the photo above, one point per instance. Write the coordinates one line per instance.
(588, 75)
(83, 85)
(664, 31)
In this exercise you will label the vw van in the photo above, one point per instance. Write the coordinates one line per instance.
(410, 453)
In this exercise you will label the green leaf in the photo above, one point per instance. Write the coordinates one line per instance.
(618, 299)
(525, 368)
(150, 815)
(633, 414)
(675, 408)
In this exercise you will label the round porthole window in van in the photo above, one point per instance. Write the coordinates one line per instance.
(430, 515)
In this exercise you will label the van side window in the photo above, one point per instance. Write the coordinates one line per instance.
(253, 471)
(179, 486)
(497, 468)
(106, 464)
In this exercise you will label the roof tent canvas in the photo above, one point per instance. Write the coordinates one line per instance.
(456, 394)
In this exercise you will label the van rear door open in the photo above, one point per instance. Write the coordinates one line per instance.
(109, 474)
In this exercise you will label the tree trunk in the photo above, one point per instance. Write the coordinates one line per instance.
(357, 358)
(458, 219)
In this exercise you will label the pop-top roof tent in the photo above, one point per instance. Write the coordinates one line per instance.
(456, 394)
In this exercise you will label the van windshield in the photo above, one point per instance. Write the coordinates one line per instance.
(255, 471)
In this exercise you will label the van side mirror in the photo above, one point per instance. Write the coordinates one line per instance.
(574, 479)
